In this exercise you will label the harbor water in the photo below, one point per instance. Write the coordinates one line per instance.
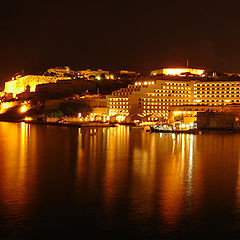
(117, 183)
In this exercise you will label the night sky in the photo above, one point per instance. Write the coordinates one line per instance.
(113, 35)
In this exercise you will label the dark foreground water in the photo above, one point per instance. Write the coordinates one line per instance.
(117, 183)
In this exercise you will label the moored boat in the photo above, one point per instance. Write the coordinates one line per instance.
(164, 128)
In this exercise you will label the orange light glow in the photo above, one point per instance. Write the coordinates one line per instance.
(23, 108)
(177, 113)
(5, 106)
(28, 119)
(20, 84)
(178, 71)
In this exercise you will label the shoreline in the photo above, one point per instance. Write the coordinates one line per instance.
(76, 125)
(99, 125)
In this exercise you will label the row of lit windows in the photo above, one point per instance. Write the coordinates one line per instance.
(167, 104)
(156, 107)
(218, 88)
(134, 86)
(163, 100)
(171, 88)
(217, 96)
(172, 91)
(118, 106)
(211, 104)
(144, 83)
(216, 84)
(177, 84)
(155, 111)
(118, 99)
(122, 94)
(179, 95)
(124, 103)
(216, 92)
(151, 117)
(119, 111)
(212, 100)
(128, 89)
(162, 103)
(168, 95)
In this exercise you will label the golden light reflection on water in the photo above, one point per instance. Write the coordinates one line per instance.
(170, 171)
(177, 180)
(166, 177)
(157, 167)
(14, 167)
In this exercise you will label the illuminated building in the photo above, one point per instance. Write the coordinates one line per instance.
(4, 106)
(125, 75)
(20, 83)
(94, 74)
(61, 71)
(88, 74)
(150, 98)
(178, 71)
(216, 92)
(156, 98)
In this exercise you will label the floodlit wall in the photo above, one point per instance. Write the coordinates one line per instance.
(177, 71)
(210, 120)
(20, 84)
(4, 106)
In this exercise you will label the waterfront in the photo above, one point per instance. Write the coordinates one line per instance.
(116, 182)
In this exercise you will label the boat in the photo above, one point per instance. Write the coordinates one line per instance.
(98, 124)
(137, 127)
(166, 128)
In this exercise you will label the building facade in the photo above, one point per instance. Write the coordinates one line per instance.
(61, 71)
(178, 71)
(20, 83)
(156, 98)
(88, 74)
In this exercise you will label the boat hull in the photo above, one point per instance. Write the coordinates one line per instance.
(190, 131)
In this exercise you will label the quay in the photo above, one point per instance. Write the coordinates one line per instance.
(72, 124)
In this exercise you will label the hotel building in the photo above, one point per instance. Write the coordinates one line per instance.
(157, 97)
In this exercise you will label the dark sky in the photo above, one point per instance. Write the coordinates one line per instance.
(134, 35)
